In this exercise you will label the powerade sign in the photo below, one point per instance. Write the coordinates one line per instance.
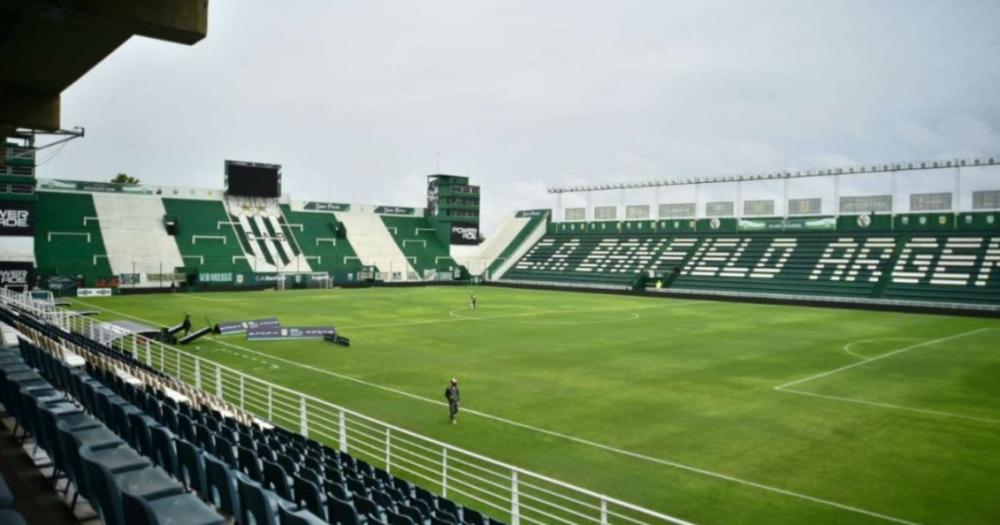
(464, 233)
(288, 332)
(17, 218)
(17, 274)
(235, 327)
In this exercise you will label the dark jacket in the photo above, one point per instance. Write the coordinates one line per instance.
(451, 394)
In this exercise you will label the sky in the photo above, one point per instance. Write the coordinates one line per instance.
(360, 100)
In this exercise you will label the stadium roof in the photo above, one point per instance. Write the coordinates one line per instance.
(875, 168)
(46, 45)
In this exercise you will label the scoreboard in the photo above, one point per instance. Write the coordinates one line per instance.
(253, 179)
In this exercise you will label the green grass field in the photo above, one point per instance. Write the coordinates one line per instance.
(710, 411)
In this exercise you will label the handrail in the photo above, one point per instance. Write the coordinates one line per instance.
(374, 438)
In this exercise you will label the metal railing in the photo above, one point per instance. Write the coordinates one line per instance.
(498, 489)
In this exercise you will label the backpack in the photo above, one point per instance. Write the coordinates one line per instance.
(447, 394)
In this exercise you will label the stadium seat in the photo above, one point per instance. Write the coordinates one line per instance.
(257, 505)
(276, 479)
(342, 512)
(291, 516)
(221, 486)
(309, 494)
(165, 455)
(6, 496)
(11, 517)
(395, 518)
(249, 464)
(168, 510)
(191, 466)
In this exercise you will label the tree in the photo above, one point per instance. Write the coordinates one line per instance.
(124, 178)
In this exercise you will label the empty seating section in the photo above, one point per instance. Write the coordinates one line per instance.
(374, 245)
(957, 267)
(142, 452)
(258, 222)
(134, 236)
(419, 243)
(205, 236)
(316, 235)
(527, 226)
(68, 237)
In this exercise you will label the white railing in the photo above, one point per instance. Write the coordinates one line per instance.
(493, 487)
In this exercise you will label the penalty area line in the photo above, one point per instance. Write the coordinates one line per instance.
(878, 357)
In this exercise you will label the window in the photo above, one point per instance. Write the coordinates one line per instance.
(760, 207)
(930, 201)
(605, 213)
(576, 214)
(681, 210)
(719, 209)
(805, 206)
(986, 200)
(637, 211)
(866, 204)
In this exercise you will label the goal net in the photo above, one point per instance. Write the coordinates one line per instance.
(303, 280)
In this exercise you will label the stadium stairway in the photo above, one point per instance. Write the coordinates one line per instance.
(143, 449)
(513, 239)
(68, 239)
(419, 244)
(206, 237)
(134, 236)
(315, 233)
(260, 222)
(374, 245)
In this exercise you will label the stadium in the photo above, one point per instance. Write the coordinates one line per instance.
(792, 346)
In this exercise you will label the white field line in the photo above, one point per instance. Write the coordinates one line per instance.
(847, 347)
(895, 407)
(567, 437)
(879, 357)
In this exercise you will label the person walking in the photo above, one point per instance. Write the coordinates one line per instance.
(452, 395)
(186, 325)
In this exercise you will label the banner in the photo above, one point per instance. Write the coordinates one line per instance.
(235, 327)
(288, 332)
(215, 277)
(761, 224)
(93, 292)
(17, 218)
(86, 185)
(791, 223)
(394, 210)
(811, 223)
(531, 213)
(464, 233)
(17, 274)
(326, 206)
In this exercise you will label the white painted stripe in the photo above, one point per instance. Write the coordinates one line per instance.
(894, 407)
(877, 358)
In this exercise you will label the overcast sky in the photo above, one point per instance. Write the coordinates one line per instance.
(355, 98)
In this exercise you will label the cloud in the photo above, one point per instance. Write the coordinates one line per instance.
(355, 98)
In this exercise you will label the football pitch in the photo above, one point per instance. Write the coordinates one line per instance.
(713, 412)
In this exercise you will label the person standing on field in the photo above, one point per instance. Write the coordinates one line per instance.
(472, 302)
(452, 395)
